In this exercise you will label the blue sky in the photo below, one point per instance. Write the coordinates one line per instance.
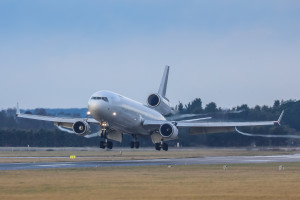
(57, 53)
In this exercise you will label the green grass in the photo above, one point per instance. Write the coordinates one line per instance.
(238, 182)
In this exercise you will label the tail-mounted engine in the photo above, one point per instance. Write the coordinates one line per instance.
(81, 128)
(168, 130)
(159, 103)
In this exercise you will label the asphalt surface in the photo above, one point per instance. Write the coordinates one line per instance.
(180, 161)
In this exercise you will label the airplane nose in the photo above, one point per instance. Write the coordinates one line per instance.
(96, 108)
(93, 107)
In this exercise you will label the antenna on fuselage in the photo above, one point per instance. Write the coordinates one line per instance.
(164, 82)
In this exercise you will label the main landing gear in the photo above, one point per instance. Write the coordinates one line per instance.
(134, 143)
(105, 144)
(161, 145)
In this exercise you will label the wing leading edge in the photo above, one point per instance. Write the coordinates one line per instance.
(56, 119)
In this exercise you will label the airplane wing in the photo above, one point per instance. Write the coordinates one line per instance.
(210, 127)
(66, 122)
(56, 119)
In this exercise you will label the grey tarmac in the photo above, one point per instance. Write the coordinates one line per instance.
(151, 162)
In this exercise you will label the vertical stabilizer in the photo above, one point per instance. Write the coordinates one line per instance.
(18, 110)
(158, 101)
(164, 82)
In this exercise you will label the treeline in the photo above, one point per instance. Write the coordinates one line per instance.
(23, 132)
(290, 124)
(245, 113)
(42, 138)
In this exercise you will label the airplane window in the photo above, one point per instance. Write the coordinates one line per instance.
(100, 98)
(105, 99)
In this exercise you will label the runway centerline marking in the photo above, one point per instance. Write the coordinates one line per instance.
(54, 165)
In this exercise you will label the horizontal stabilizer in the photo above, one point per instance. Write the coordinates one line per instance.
(280, 118)
(266, 135)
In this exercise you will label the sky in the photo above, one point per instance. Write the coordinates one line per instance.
(56, 54)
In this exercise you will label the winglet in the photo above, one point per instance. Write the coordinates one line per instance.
(164, 82)
(18, 110)
(279, 119)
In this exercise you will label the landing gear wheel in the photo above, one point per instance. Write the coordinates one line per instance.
(137, 145)
(109, 145)
(158, 146)
(165, 146)
(161, 145)
(102, 145)
(132, 144)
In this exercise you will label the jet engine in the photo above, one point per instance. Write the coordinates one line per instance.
(159, 103)
(168, 130)
(81, 128)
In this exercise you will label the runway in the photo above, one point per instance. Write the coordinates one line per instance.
(177, 161)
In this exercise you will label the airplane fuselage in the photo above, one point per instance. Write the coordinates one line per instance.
(121, 113)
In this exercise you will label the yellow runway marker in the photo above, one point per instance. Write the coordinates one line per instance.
(72, 156)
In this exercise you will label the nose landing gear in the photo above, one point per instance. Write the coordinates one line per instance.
(103, 134)
(106, 144)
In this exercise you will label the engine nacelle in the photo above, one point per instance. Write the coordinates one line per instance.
(168, 130)
(159, 103)
(81, 128)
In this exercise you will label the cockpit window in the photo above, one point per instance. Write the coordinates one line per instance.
(100, 98)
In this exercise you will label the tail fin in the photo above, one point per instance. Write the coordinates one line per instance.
(164, 82)
(18, 110)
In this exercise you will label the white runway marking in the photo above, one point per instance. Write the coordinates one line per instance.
(54, 165)
(258, 161)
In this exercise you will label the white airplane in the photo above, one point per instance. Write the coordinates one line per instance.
(118, 115)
